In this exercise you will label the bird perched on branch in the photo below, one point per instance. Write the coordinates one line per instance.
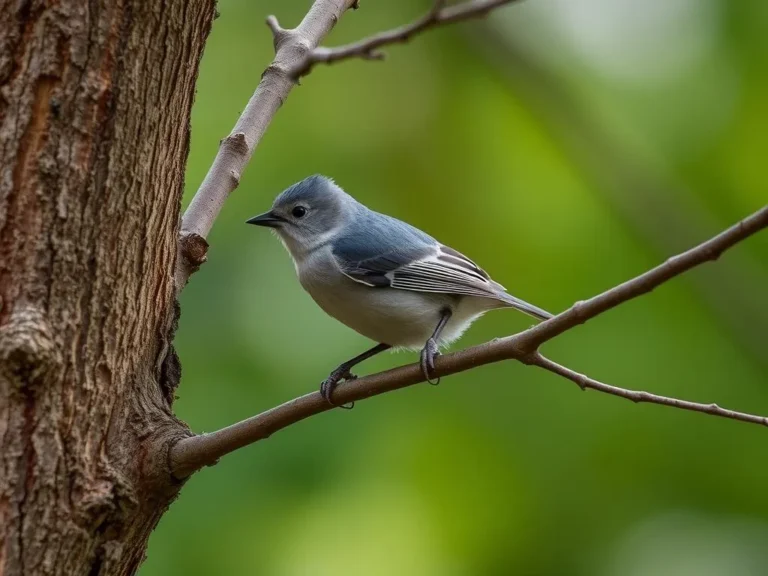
(383, 278)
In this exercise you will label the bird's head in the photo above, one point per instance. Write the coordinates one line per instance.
(307, 214)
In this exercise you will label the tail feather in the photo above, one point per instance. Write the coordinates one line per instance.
(523, 306)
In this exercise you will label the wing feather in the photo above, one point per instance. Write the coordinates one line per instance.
(448, 271)
(429, 268)
(417, 262)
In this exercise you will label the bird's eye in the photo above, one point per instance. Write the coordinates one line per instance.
(298, 211)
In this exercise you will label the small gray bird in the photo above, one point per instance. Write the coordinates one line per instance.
(383, 278)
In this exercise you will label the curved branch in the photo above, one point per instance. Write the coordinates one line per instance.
(369, 48)
(192, 453)
(704, 252)
(639, 396)
(292, 47)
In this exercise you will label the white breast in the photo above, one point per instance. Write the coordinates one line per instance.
(400, 318)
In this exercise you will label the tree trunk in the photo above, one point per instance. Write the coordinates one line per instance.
(95, 100)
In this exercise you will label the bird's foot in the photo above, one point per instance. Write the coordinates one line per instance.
(329, 385)
(427, 361)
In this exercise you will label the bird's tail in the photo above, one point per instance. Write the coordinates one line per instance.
(523, 306)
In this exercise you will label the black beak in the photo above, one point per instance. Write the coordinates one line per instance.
(267, 219)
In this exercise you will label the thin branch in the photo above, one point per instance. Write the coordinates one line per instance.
(195, 452)
(369, 48)
(583, 311)
(291, 48)
(638, 396)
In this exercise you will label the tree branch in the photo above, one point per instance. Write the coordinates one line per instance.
(704, 252)
(195, 452)
(292, 47)
(638, 396)
(369, 48)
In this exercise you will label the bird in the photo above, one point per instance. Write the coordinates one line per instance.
(383, 278)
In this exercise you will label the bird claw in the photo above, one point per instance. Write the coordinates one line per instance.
(427, 361)
(328, 385)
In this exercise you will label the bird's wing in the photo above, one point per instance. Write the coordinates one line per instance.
(420, 266)
(417, 262)
(448, 271)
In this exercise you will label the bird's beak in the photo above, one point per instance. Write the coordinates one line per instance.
(267, 219)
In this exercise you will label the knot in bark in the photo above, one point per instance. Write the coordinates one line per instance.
(194, 248)
(28, 351)
(236, 143)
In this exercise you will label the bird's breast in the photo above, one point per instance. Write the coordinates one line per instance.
(400, 318)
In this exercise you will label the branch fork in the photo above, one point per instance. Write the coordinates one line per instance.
(370, 48)
(279, 34)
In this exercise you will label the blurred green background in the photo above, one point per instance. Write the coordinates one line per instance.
(566, 146)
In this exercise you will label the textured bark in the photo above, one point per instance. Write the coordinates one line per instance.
(94, 129)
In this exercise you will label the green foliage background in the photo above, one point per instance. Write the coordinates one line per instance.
(505, 469)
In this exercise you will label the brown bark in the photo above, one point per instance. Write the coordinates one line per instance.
(94, 129)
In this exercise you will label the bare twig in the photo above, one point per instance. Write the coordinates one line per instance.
(291, 47)
(369, 48)
(638, 396)
(195, 452)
